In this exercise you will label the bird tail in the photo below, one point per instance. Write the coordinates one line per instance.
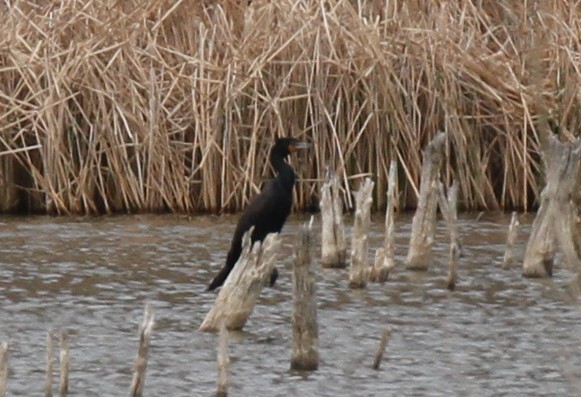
(219, 279)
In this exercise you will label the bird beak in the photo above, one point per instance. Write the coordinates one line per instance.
(300, 145)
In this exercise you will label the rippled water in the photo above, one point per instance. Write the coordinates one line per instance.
(498, 334)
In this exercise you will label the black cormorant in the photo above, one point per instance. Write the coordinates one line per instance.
(267, 211)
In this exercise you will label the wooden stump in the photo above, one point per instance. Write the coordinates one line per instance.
(142, 353)
(49, 365)
(509, 259)
(223, 362)
(360, 269)
(385, 256)
(238, 295)
(3, 368)
(381, 348)
(305, 351)
(554, 222)
(333, 246)
(424, 221)
(449, 209)
(64, 361)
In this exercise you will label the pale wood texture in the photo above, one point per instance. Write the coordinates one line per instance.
(333, 245)
(360, 268)
(508, 260)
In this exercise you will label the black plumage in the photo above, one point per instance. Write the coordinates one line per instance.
(267, 211)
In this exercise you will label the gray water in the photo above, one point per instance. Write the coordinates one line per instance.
(498, 334)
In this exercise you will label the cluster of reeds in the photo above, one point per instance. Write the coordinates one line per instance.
(156, 105)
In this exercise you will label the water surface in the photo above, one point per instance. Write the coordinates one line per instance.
(498, 334)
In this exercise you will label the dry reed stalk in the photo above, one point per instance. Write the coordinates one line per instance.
(3, 368)
(449, 209)
(381, 348)
(64, 360)
(333, 245)
(171, 106)
(508, 259)
(424, 220)
(237, 297)
(385, 256)
(359, 268)
(49, 365)
(223, 361)
(554, 222)
(305, 350)
(140, 368)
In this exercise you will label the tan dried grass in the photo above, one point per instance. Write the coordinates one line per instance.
(153, 105)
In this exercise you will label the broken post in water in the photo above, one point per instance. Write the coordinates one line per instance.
(385, 256)
(49, 365)
(223, 362)
(360, 269)
(449, 208)
(64, 361)
(3, 368)
(554, 222)
(509, 259)
(424, 221)
(238, 295)
(333, 246)
(305, 351)
(142, 353)
(381, 349)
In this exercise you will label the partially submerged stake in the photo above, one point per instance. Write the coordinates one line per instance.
(360, 269)
(381, 348)
(223, 362)
(238, 295)
(305, 352)
(64, 359)
(49, 365)
(385, 256)
(449, 208)
(509, 259)
(333, 246)
(142, 354)
(3, 368)
(424, 221)
(554, 221)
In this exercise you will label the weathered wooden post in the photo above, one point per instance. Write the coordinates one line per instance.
(3, 368)
(449, 208)
(424, 221)
(381, 349)
(554, 221)
(360, 269)
(238, 295)
(509, 259)
(385, 256)
(49, 365)
(64, 361)
(305, 351)
(223, 362)
(142, 353)
(333, 246)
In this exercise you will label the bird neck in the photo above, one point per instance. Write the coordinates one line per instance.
(285, 172)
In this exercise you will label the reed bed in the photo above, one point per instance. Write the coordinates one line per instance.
(149, 105)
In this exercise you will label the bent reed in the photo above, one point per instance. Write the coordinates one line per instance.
(139, 106)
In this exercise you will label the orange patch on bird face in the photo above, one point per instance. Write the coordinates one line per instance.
(292, 148)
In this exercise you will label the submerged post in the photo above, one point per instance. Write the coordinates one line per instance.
(509, 259)
(305, 352)
(49, 365)
(381, 349)
(554, 222)
(238, 295)
(424, 221)
(385, 256)
(449, 208)
(142, 353)
(333, 246)
(360, 269)
(223, 362)
(64, 360)
(3, 368)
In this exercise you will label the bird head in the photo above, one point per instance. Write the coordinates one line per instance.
(288, 145)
